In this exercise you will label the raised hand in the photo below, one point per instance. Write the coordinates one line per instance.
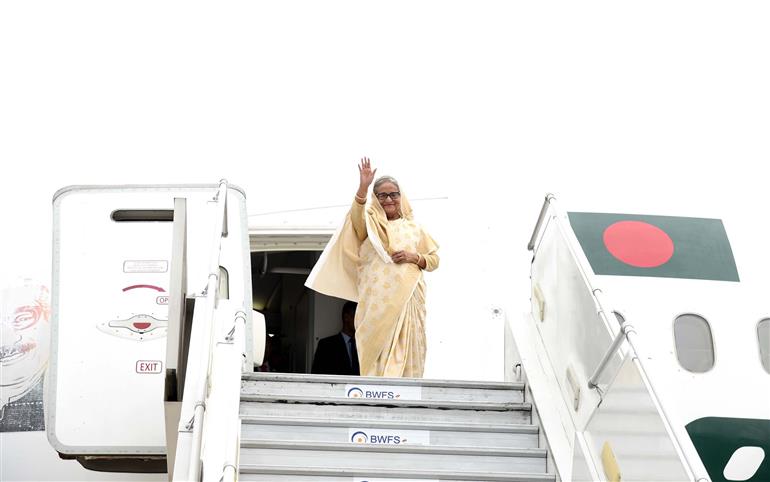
(366, 175)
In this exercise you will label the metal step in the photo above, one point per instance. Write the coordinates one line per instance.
(395, 402)
(319, 474)
(372, 458)
(379, 388)
(420, 433)
(298, 427)
(421, 382)
(512, 414)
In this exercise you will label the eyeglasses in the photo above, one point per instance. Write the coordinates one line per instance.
(385, 195)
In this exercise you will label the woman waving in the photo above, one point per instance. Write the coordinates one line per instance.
(377, 258)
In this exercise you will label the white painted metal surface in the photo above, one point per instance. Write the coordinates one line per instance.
(109, 316)
(111, 291)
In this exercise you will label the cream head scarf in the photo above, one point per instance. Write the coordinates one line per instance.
(377, 224)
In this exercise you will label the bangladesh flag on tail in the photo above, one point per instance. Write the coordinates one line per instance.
(658, 246)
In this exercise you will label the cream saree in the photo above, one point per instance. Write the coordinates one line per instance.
(356, 265)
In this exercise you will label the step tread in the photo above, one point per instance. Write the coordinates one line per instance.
(371, 459)
(263, 387)
(398, 473)
(405, 414)
(460, 427)
(358, 380)
(382, 448)
(448, 404)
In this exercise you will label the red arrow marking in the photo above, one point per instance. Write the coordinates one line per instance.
(152, 287)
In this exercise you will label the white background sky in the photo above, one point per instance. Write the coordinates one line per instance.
(647, 105)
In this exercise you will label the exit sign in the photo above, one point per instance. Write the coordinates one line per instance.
(149, 366)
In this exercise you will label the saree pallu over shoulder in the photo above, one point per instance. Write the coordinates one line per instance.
(335, 272)
(356, 265)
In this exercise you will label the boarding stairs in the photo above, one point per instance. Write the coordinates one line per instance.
(298, 427)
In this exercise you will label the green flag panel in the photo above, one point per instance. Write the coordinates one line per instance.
(656, 246)
(718, 438)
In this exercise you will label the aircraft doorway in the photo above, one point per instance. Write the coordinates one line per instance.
(296, 317)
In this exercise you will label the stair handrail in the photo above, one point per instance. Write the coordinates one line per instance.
(625, 333)
(540, 219)
(625, 328)
(236, 338)
(201, 373)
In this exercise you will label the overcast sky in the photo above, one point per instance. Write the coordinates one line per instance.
(631, 107)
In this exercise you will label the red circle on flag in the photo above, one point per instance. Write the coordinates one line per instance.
(638, 244)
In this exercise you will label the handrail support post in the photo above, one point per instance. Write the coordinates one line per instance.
(625, 328)
(540, 219)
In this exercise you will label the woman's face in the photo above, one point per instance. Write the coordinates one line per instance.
(390, 199)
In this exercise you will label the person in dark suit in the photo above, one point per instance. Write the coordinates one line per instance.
(337, 354)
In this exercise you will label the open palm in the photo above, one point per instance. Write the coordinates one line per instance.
(366, 173)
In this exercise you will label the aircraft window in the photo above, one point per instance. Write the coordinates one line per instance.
(694, 344)
(763, 334)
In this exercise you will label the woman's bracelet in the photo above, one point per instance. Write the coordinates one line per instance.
(361, 200)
